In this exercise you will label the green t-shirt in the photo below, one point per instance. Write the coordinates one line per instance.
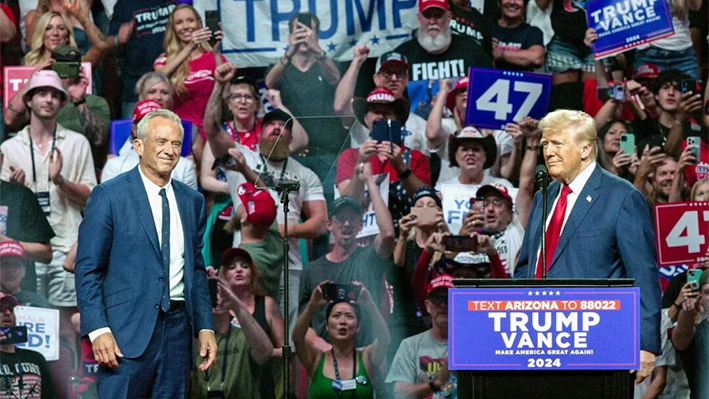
(268, 257)
(70, 118)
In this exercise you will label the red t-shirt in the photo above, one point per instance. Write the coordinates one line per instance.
(199, 84)
(347, 161)
(591, 103)
(701, 169)
(248, 138)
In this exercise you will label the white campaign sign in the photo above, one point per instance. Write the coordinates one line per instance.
(42, 330)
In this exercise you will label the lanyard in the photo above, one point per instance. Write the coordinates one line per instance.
(234, 132)
(337, 371)
(34, 168)
(265, 169)
(225, 356)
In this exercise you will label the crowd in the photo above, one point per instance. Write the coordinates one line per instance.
(350, 164)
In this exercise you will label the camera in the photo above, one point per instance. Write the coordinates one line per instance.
(340, 292)
(67, 62)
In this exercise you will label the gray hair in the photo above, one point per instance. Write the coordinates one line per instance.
(142, 128)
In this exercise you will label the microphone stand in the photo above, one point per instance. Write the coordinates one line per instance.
(543, 246)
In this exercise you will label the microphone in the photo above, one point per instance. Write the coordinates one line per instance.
(541, 176)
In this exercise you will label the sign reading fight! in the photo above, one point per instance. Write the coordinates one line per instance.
(497, 97)
(624, 24)
(548, 328)
(681, 230)
(15, 78)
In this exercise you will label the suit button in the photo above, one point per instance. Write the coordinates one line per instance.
(157, 306)
(161, 279)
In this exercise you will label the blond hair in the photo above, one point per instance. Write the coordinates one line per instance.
(172, 46)
(39, 52)
(579, 125)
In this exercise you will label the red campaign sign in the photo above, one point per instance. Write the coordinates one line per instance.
(682, 231)
(15, 78)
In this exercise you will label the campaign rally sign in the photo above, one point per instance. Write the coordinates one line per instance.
(15, 78)
(681, 230)
(256, 32)
(544, 328)
(42, 330)
(456, 203)
(497, 97)
(369, 221)
(624, 24)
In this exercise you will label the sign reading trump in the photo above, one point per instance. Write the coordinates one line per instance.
(544, 328)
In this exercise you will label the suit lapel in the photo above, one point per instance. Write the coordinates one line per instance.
(185, 215)
(588, 195)
(142, 207)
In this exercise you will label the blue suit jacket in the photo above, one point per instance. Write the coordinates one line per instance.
(609, 234)
(119, 272)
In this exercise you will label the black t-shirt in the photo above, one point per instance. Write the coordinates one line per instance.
(363, 265)
(25, 222)
(310, 98)
(568, 19)
(27, 371)
(145, 44)
(512, 39)
(472, 24)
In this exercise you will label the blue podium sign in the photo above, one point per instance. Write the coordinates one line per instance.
(624, 24)
(497, 97)
(544, 328)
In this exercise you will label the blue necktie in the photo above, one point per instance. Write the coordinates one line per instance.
(165, 303)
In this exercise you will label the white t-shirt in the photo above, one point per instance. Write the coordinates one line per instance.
(487, 179)
(310, 190)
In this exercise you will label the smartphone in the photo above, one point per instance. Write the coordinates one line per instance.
(305, 19)
(693, 276)
(14, 335)
(387, 130)
(212, 286)
(461, 244)
(656, 141)
(616, 93)
(627, 143)
(340, 292)
(694, 140)
(424, 215)
(476, 205)
(211, 20)
(224, 160)
(690, 85)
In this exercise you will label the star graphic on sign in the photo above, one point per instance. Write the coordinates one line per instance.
(331, 47)
(551, 293)
(558, 293)
(375, 39)
(544, 293)
(536, 293)
(529, 293)
(353, 43)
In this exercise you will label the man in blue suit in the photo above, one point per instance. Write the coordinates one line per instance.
(141, 282)
(605, 230)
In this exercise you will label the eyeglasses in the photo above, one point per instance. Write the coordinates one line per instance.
(238, 97)
(389, 75)
(497, 202)
(342, 219)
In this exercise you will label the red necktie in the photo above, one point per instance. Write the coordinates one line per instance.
(554, 230)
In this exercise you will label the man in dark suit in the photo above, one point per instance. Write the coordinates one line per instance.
(600, 226)
(141, 282)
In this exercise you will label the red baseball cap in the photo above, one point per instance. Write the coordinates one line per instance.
(143, 108)
(646, 71)
(12, 248)
(494, 188)
(441, 281)
(426, 4)
(462, 84)
(8, 299)
(231, 253)
(259, 205)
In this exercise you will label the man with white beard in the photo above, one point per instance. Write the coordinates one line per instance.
(435, 53)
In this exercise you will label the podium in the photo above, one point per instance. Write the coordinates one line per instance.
(495, 383)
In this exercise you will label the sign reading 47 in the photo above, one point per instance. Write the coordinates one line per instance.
(497, 97)
(681, 229)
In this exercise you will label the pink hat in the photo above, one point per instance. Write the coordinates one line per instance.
(12, 248)
(46, 78)
(259, 205)
(441, 281)
(143, 108)
(426, 4)
(462, 84)
(494, 188)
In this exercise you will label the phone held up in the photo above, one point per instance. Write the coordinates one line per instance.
(211, 20)
(14, 335)
(693, 276)
(340, 292)
(461, 244)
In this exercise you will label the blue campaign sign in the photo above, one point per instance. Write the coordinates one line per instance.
(497, 97)
(624, 24)
(544, 328)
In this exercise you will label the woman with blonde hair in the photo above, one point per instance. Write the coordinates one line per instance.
(189, 61)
